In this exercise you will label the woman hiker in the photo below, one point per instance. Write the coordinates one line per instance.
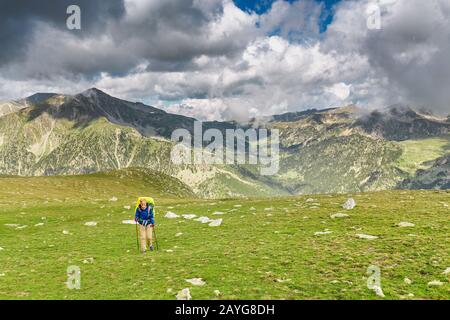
(146, 219)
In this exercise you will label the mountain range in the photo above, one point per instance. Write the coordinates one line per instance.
(337, 150)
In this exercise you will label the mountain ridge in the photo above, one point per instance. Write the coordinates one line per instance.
(333, 150)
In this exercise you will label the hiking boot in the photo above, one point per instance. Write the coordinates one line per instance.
(151, 248)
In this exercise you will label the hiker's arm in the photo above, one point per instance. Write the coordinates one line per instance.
(152, 216)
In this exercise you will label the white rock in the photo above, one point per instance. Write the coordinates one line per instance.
(366, 236)
(171, 215)
(88, 261)
(65, 232)
(11, 225)
(218, 213)
(215, 223)
(1, 249)
(268, 209)
(128, 222)
(339, 215)
(237, 205)
(179, 234)
(405, 224)
(38, 224)
(196, 281)
(189, 216)
(203, 220)
(252, 209)
(169, 250)
(349, 204)
(283, 280)
(184, 294)
(2, 274)
(127, 207)
(91, 223)
(407, 281)
(217, 293)
(446, 271)
(21, 227)
(436, 283)
(320, 233)
(310, 200)
(113, 199)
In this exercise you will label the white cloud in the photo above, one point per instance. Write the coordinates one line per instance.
(211, 60)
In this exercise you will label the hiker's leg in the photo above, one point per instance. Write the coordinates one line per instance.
(150, 234)
(143, 232)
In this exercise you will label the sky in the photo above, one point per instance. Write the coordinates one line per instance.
(225, 59)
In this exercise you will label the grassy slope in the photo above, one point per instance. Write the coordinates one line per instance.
(416, 153)
(243, 258)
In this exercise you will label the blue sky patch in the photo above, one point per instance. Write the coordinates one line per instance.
(262, 6)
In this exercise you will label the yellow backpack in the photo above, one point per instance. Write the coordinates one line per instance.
(149, 200)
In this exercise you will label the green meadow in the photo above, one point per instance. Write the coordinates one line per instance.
(271, 248)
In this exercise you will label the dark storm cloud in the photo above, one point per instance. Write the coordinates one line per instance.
(18, 19)
(116, 37)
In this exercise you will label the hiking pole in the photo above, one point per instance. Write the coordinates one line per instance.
(137, 236)
(156, 239)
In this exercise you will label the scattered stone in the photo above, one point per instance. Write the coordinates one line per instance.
(366, 236)
(1, 249)
(252, 209)
(65, 232)
(335, 281)
(237, 205)
(349, 204)
(189, 216)
(405, 224)
(435, 283)
(11, 225)
(2, 274)
(283, 280)
(88, 261)
(407, 281)
(216, 223)
(169, 250)
(21, 227)
(339, 215)
(320, 233)
(184, 294)
(127, 207)
(217, 293)
(310, 200)
(203, 219)
(218, 213)
(91, 223)
(38, 224)
(446, 271)
(113, 199)
(179, 234)
(171, 215)
(196, 281)
(129, 222)
(268, 209)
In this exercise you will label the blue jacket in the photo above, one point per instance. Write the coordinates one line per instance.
(146, 216)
